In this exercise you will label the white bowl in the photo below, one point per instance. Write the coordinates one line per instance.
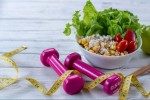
(108, 62)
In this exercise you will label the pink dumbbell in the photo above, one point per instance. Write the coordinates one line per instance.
(110, 85)
(73, 83)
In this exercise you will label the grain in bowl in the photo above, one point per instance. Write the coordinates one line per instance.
(103, 45)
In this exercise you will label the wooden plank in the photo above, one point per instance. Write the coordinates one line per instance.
(33, 60)
(45, 36)
(54, 9)
(39, 24)
(25, 90)
(47, 74)
(37, 46)
(36, 25)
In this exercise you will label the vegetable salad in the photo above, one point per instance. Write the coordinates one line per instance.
(107, 22)
(108, 46)
(110, 32)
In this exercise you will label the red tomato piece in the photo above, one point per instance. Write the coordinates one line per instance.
(130, 35)
(122, 46)
(118, 37)
(132, 47)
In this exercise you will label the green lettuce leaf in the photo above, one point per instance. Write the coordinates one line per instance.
(89, 13)
(67, 30)
(107, 22)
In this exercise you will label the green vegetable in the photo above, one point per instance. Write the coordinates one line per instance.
(145, 34)
(89, 13)
(107, 22)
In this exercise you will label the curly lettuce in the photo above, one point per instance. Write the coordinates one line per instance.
(107, 22)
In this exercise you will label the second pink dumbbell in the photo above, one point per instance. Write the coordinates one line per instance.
(110, 85)
(73, 83)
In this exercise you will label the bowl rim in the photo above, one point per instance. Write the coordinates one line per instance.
(98, 55)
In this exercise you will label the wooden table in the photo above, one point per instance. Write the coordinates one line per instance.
(39, 24)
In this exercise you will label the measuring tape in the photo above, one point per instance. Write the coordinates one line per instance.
(125, 85)
(99, 80)
(123, 92)
(4, 82)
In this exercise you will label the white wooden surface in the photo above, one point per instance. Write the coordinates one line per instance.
(39, 24)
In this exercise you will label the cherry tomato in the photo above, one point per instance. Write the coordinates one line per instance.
(118, 37)
(122, 46)
(130, 35)
(132, 47)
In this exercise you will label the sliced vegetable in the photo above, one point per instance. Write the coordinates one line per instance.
(122, 46)
(130, 35)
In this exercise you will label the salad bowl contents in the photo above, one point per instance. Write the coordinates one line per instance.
(108, 38)
(109, 46)
(112, 59)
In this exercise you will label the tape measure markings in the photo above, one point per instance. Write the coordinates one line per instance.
(123, 92)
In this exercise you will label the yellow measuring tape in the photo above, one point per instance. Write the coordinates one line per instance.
(125, 85)
(123, 92)
(4, 82)
(99, 80)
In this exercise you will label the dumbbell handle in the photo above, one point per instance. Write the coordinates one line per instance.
(73, 83)
(86, 69)
(56, 65)
(110, 85)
